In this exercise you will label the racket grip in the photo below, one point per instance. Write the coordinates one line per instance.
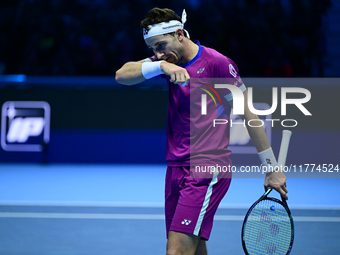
(286, 134)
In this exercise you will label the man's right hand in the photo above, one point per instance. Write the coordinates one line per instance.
(178, 75)
(277, 181)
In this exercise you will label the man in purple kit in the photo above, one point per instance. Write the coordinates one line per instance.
(191, 201)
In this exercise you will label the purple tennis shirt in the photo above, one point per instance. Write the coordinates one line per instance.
(192, 137)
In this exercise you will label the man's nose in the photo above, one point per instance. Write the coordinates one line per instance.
(159, 55)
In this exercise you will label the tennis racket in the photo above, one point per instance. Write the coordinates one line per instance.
(268, 226)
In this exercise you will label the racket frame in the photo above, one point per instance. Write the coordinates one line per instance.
(283, 203)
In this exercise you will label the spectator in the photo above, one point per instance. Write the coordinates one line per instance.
(61, 37)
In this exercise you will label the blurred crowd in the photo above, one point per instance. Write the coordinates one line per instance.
(274, 38)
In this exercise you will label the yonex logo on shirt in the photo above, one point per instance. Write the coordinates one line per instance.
(200, 70)
(186, 222)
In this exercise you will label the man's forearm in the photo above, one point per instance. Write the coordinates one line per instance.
(257, 134)
(130, 73)
(276, 179)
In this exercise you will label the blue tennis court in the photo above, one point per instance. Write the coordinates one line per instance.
(118, 209)
(83, 157)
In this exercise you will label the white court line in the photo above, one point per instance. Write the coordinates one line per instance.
(83, 204)
(104, 216)
(146, 205)
(95, 216)
(317, 219)
(296, 218)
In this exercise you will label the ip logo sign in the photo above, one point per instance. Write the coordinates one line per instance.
(25, 125)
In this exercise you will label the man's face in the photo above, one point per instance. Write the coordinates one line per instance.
(166, 47)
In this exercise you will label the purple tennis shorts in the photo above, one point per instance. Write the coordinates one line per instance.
(191, 203)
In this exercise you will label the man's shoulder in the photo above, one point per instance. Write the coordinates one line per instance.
(217, 60)
(214, 56)
(219, 64)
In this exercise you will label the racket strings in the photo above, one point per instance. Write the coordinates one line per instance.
(267, 229)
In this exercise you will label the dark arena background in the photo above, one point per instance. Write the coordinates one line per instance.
(82, 158)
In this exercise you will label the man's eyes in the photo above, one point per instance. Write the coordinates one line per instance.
(160, 46)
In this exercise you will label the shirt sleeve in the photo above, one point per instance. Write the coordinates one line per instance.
(226, 69)
(151, 59)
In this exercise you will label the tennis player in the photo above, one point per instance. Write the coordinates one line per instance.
(191, 203)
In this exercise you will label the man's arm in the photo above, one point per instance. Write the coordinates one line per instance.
(275, 180)
(132, 72)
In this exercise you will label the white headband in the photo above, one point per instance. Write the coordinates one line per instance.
(165, 27)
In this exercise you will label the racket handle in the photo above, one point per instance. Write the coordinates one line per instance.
(286, 134)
